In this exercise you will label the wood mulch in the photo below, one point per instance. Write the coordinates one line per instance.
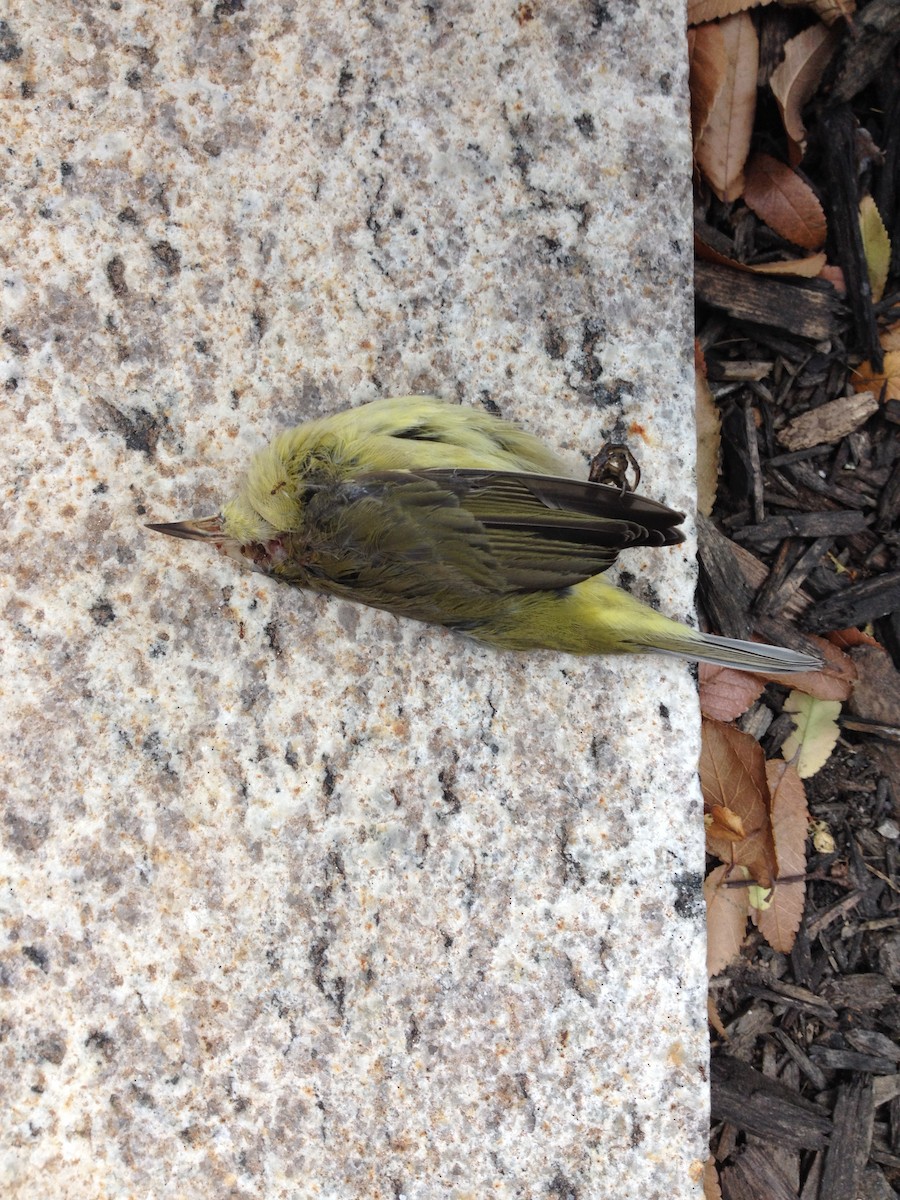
(806, 1087)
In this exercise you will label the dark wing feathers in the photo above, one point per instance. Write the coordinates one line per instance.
(491, 531)
(568, 503)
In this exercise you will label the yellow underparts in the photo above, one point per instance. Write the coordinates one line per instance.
(592, 617)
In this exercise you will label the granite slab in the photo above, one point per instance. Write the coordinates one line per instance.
(301, 900)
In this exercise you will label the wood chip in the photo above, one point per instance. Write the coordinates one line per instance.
(854, 1118)
(814, 1074)
(859, 993)
(829, 422)
(851, 1060)
(857, 604)
(831, 524)
(751, 1101)
(803, 309)
(753, 1175)
(788, 575)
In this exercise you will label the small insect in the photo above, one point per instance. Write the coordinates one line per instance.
(455, 517)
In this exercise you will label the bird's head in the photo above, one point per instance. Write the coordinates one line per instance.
(267, 506)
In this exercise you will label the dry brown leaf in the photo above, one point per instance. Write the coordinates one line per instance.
(723, 823)
(726, 693)
(834, 276)
(726, 917)
(706, 55)
(796, 78)
(890, 339)
(878, 693)
(846, 639)
(829, 423)
(865, 379)
(790, 822)
(733, 776)
(835, 680)
(711, 1188)
(712, 1015)
(806, 268)
(876, 244)
(876, 698)
(784, 201)
(723, 148)
(709, 431)
(714, 10)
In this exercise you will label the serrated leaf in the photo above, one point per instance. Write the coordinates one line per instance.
(709, 436)
(725, 693)
(804, 268)
(796, 78)
(723, 823)
(876, 244)
(711, 1188)
(784, 201)
(723, 148)
(815, 732)
(887, 380)
(780, 920)
(846, 639)
(733, 778)
(726, 917)
(833, 682)
(708, 65)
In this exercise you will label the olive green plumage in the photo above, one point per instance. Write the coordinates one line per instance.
(455, 517)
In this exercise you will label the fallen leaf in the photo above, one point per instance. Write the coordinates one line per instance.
(890, 339)
(712, 1015)
(726, 693)
(878, 701)
(805, 268)
(779, 922)
(784, 201)
(815, 732)
(723, 148)
(709, 429)
(822, 838)
(726, 917)
(733, 778)
(846, 639)
(886, 381)
(835, 680)
(723, 823)
(714, 10)
(876, 244)
(796, 78)
(759, 898)
(711, 1188)
(708, 67)
(834, 276)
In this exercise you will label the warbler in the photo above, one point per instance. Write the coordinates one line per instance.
(456, 517)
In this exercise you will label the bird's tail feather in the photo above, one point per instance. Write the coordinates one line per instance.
(741, 656)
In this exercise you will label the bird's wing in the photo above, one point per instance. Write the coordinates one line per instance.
(492, 532)
(550, 532)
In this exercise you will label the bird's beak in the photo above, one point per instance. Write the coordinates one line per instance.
(206, 529)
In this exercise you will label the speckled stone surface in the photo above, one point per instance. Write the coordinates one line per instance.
(300, 900)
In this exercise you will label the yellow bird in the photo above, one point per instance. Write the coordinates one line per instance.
(455, 517)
